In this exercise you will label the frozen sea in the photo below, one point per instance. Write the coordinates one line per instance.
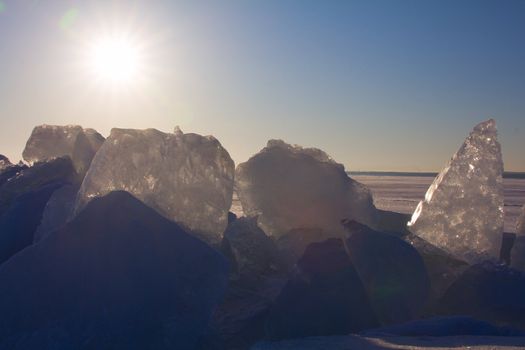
(401, 193)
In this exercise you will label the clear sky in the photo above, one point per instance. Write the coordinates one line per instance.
(379, 85)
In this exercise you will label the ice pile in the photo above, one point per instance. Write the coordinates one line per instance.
(289, 187)
(50, 141)
(186, 177)
(463, 208)
(4, 162)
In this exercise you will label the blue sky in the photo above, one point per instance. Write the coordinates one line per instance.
(379, 85)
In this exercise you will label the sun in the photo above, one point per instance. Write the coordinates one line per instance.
(115, 59)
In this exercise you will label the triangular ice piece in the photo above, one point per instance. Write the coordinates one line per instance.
(463, 208)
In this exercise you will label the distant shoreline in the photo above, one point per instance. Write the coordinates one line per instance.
(506, 175)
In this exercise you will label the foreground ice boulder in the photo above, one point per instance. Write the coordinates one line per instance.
(23, 199)
(392, 271)
(289, 187)
(119, 276)
(487, 291)
(51, 141)
(187, 178)
(442, 267)
(324, 296)
(463, 208)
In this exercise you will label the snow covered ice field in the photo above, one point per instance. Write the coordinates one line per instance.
(402, 193)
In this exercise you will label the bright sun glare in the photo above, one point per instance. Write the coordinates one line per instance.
(115, 60)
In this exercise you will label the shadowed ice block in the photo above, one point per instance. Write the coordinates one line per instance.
(118, 276)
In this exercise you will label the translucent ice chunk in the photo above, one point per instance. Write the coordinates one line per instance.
(290, 187)
(50, 141)
(186, 177)
(463, 208)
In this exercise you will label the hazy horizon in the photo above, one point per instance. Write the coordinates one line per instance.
(378, 85)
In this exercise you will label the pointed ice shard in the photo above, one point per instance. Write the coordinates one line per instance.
(463, 208)
(188, 178)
